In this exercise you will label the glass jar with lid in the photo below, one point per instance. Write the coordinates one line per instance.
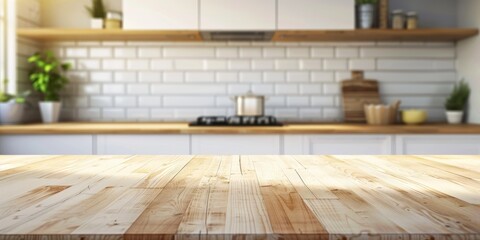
(113, 20)
(412, 20)
(398, 19)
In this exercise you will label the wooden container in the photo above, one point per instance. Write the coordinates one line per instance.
(379, 114)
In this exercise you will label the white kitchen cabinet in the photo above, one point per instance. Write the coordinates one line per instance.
(316, 14)
(246, 15)
(236, 144)
(46, 144)
(338, 144)
(142, 144)
(438, 144)
(160, 14)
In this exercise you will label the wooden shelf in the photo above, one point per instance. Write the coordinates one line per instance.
(58, 34)
(389, 35)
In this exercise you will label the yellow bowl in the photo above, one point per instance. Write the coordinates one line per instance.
(414, 116)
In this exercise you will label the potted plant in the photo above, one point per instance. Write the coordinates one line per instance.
(98, 14)
(456, 102)
(48, 79)
(366, 13)
(11, 106)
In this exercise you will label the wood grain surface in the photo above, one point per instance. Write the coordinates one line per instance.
(356, 93)
(183, 128)
(239, 197)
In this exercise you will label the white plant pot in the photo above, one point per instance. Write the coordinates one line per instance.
(454, 117)
(96, 23)
(50, 111)
(11, 113)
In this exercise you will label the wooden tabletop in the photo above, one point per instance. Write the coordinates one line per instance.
(183, 128)
(223, 197)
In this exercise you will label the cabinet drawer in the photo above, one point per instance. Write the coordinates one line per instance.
(46, 144)
(143, 144)
(236, 144)
(438, 144)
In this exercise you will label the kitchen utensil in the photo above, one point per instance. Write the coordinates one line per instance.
(356, 93)
(379, 114)
(414, 116)
(249, 105)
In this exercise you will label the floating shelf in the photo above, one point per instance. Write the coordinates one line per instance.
(388, 35)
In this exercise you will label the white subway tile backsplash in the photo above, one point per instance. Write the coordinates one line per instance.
(345, 52)
(149, 52)
(362, 64)
(138, 64)
(138, 89)
(300, 76)
(263, 64)
(163, 64)
(227, 52)
(323, 52)
(335, 64)
(188, 52)
(227, 77)
(311, 64)
(114, 88)
(298, 52)
(188, 101)
(238, 65)
(298, 101)
(270, 52)
(125, 77)
(113, 64)
(169, 81)
(125, 52)
(101, 52)
(286, 89)
(182, 89)
(250, 52)
(287, 64)
(125, 101)
(149, 77)
(251, 77)
(401, 52)
(196, 77)
(73, 52)
(173, 77)
(215, 64)
(273, 77)
(101, 101)
(88, 64)
(149, 101)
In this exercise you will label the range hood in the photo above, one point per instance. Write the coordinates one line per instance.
(237, 35)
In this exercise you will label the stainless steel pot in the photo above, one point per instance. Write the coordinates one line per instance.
(249, 105)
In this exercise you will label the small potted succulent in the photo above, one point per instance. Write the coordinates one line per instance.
(11, 106)
(366, 13)
(48, 78)
(456, 102)
(98, 14)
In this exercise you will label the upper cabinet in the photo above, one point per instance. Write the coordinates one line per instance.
(316, 14)
(160, 14)
(240, 15)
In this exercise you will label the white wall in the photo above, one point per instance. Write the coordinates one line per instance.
(469, 54)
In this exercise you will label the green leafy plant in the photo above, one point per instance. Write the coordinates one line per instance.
(97, 10)
(359, 2)
(5, 97)
(458, 98)
(48, 75)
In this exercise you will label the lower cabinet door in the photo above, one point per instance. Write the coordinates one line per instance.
(236, 144)
(338, 144)
(438, 144)
(46, 144)
(143, 144)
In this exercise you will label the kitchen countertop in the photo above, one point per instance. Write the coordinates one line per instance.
(183, 128)
(295, 197)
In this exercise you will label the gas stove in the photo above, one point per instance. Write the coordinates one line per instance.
(236, 121)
